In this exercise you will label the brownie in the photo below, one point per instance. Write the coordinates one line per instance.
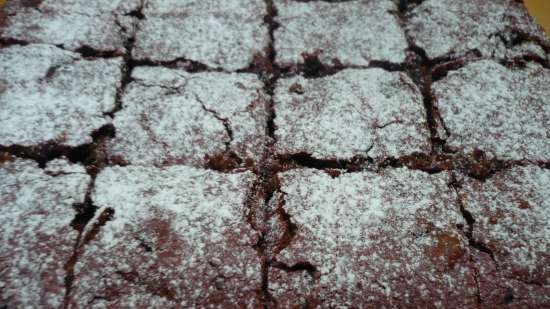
(265, 154)
(176, 237)
(448, 28)
(499, 110)
(51, 95)
(334, 32)
(225, 34)
(511, 212)
(380, 240)
(35, 228)
(353, 113)
(73, 24)
(170, 116)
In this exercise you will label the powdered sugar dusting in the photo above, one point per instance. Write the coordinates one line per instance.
(223, 34)
(352, 113)
(35, 232)
(387, 239)
(51, 95)
(170, 115)
(178, 237)
(454, 28)
(70, 23)
(505, 112)
(337, 31)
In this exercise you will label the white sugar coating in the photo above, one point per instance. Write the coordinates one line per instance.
(525, 49)
(71, 23)
(172, 115)
(448, 27)
(354, 32)
(35, 233)
(504, 112)
(51, 95)
(352, 113)
(61, 167)
(376, 239)
(224, 34)
(512, 217)
(178, 238)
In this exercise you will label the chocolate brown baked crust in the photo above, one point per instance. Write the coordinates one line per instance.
(274, 154)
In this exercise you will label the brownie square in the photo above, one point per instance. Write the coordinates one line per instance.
(448, 28)
(51, 95)
(353, 113)
(335, 32)
(170, 116)
(219, 34)
(103, 25)
(499, 110)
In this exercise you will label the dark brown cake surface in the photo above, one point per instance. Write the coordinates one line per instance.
(274, 154)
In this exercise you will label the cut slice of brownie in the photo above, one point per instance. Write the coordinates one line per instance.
(224, 34)
(35, 230)
(103, 25)
(178, 237)
(51, 95)
(170, 116)
(369, 112)
(502, 111)
(382, 240)
(337, 32)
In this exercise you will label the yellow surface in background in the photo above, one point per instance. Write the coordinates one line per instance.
(2, 2)
(540, 10)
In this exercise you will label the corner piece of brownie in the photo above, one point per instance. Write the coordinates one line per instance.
(449, 28)
(35, 230)
(177, 237)
(356, 112)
